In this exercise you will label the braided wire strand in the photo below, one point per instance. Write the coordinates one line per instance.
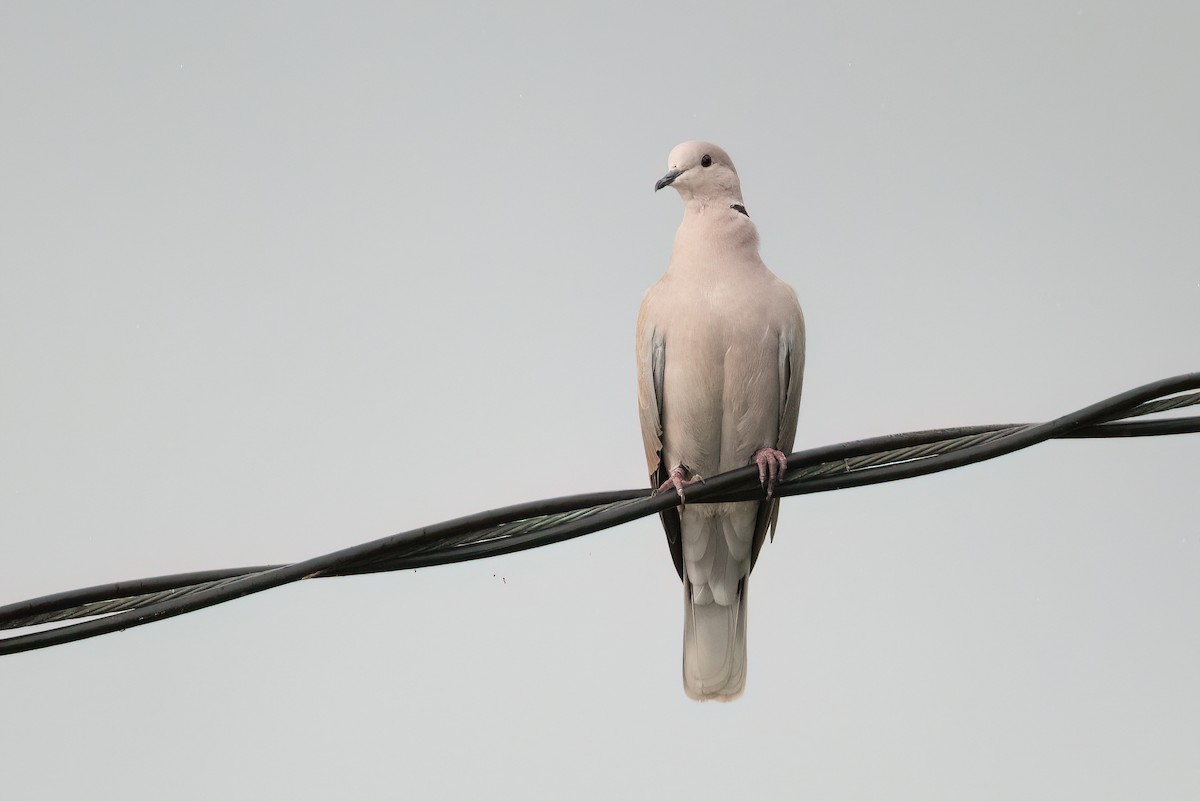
(99, 608)
(898, 455)
(1162, 405)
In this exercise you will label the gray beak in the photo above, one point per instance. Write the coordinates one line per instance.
(667, 179)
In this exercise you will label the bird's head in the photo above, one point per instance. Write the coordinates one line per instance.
(701, 170)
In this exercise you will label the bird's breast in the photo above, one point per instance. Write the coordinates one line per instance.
(721, 379)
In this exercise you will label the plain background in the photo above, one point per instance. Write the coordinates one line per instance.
(276, 279)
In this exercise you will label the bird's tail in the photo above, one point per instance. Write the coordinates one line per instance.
(714, 646)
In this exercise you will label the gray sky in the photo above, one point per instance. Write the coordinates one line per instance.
(277, 279)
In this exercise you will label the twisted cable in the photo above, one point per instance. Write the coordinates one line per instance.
(122, 605)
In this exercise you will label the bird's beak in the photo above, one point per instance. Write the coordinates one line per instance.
(667, 179)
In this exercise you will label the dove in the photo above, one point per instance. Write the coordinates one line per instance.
(720, 361)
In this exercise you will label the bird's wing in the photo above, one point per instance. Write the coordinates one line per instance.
(651, 368)
(791, 382)
(791, 375)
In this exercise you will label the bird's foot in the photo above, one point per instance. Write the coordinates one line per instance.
(680, 479)
(772, 464)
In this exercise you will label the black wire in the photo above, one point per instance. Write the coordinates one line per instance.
(123, 589)
(120, 589)
(435, 544)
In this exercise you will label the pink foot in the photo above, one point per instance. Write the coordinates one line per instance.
(772, 464)
(680, 479)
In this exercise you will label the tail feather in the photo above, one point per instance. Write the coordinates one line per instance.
(714, 646)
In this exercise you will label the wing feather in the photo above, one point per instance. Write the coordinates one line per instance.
(652, 367)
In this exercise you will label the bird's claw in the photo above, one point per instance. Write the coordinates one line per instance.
(679, 479)
(772, 464)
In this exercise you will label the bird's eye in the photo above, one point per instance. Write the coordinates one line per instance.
(706, 161)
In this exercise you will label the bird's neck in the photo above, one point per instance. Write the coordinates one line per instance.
(714, 237)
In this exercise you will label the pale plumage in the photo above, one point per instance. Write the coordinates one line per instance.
(720, 350)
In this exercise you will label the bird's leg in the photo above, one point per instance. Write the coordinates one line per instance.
(680, 479)
(772, 464)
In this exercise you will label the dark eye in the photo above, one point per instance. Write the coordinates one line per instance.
(706, 161)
